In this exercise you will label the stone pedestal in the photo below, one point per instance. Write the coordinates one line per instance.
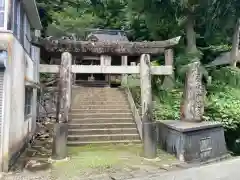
(192, 142)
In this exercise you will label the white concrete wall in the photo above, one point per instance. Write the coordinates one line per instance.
(20, 126)
(5, 38)
(36, 60)
(15, 128)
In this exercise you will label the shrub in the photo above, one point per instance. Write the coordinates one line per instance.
(227, 75)
(167, 104)
(223, 104)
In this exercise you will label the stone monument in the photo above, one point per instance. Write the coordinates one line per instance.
(191, 139)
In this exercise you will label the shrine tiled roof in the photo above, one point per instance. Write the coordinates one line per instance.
(107, 36)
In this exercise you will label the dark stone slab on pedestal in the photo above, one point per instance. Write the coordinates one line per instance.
(192, 141)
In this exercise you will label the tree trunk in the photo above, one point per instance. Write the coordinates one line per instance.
(235, 44)
(191, 35)
(121, 48)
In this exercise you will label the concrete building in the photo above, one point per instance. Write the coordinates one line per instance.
(19, 62)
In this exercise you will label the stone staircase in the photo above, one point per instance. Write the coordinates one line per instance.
(101, 115)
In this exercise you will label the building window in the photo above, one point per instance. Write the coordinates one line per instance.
(2, 8)
(15, 17)
(27, 34)
(21, 25)
(28, 100)
(18, 19)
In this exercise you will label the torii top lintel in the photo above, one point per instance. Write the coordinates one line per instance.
(121, 48)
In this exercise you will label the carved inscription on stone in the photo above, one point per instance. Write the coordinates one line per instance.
(205, 147)
(192, 106)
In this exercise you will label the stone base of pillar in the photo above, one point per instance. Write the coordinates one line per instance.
(149, 140)
(59, 146)
(192, 142)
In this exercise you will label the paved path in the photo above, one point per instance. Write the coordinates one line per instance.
(226, 170)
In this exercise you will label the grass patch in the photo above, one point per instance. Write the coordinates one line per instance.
(95, 158)
(100, 159)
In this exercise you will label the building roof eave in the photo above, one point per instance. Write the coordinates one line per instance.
(30, 7)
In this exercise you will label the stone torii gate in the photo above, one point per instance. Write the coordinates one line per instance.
(143, 49)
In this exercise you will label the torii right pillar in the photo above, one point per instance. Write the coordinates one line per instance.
(148, 124)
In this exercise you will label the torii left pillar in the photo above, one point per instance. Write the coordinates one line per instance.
(60, 132)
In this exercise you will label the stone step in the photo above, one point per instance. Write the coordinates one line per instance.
(101, 115)
(106, 106)
(97, 89)
(103, 137)
(103, 131)
(82, 143)
(101, 120)
(91, 83)
(105, 92)
(101, 125)
(93, 91)
(76, 104)
(81, 87)
(80, 111)
(99, 95)
(100, 99)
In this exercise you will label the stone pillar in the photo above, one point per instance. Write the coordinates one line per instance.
(168, 82)
(124, 60)
(106, 61)
(134, 64)
(149, 126)
(102, 58)
(192, 105)
(59, 148)
(74, 75)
